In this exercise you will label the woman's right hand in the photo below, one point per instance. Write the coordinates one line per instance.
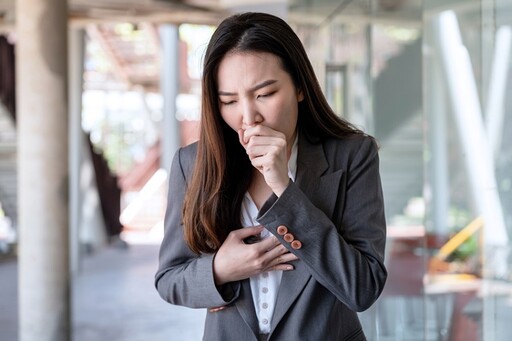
(236, 260)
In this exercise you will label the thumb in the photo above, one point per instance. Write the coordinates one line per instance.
(241, 137)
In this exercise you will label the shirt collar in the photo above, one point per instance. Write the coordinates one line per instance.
(292, 161)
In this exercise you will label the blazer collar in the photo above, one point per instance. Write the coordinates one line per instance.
(316, 176)
(311, 160)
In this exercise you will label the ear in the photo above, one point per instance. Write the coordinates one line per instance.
(300, 96)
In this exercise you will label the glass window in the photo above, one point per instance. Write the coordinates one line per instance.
(431, 81)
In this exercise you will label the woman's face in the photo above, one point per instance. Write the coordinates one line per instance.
(255, 89)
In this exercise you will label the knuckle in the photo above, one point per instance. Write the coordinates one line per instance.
(254, 254)
(259, 265)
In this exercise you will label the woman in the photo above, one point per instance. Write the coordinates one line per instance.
(275, 218)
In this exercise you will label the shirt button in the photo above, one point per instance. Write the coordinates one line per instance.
(264, 305)
(264, 275)
(264, 290)
(265, 321)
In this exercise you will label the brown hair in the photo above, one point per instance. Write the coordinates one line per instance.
(222, 172)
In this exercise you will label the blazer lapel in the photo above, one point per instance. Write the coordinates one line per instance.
(314, 177)
(321, 189)
(292, 283)
(245, 306)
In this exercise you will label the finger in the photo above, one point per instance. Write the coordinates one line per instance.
(282, 267)
(268, 162)
(216, 309)
(262, 142)
(288, 257)
(241, 138)
(245, 232)
(275, 252)
(261, 130)
(264, 137)
(268, 243)
(283, 259)
(261, 150)
(257, 163)
(251, 135)
(274, 256)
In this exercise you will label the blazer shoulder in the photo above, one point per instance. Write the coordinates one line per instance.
(350, 147)
(189, 151)
(186, 157)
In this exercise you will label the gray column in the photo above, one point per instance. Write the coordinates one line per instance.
(169, 87)
(76, 140)
(463, 95)
(436, 114)
(41, 75)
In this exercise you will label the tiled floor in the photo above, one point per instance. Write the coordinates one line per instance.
(113, 299)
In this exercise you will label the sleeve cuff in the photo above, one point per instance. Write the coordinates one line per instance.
(214, 295)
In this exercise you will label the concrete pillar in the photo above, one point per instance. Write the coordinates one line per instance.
(169, 85)
(436, 114)
(478, 157)
(41, 75)
(76, 140)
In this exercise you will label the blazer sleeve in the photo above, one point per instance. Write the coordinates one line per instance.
(183, 277)
(346, 255)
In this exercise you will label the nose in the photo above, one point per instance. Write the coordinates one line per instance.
(250, 114)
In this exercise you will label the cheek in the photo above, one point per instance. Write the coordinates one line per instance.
(231, 119)
(288, 111)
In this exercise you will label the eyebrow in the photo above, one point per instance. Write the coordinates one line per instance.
(254, 88)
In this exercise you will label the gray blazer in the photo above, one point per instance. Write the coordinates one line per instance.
(335, 208)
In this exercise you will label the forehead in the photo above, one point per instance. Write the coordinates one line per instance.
(245, 69)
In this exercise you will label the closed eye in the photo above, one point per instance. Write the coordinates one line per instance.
(266, 95)
(227, 103)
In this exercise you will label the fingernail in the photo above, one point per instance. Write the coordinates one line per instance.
(289, 267)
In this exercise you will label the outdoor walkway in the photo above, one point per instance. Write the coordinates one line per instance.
(114, 299)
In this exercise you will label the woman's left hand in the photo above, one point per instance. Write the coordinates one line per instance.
(268, 152)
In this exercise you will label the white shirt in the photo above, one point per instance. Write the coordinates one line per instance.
(265, 286)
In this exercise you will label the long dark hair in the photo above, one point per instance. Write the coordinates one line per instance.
(222, 172)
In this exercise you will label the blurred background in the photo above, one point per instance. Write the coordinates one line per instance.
(430, 79)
